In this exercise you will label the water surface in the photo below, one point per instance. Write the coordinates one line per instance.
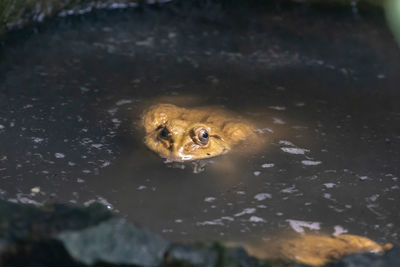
(322, 88)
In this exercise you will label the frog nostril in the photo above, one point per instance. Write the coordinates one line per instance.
(171, 147)
(164, 133)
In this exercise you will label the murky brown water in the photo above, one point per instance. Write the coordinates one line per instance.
(322, 87)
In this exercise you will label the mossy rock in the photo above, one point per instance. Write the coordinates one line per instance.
(19, 13)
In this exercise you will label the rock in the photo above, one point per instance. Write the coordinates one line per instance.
(115, 241)
(237, 256)
(61, 235)
(191, 255)
(390, 259)
(21, 222)
(41, 253)
(65, 236)
(210, 254)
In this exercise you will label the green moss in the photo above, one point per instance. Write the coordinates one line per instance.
(392, 9)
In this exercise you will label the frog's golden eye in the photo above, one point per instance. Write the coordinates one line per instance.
(203, 136)
(164, 133)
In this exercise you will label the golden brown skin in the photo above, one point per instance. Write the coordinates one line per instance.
(316, 249)
(180, 134)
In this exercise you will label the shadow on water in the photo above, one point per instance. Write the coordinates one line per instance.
(323, 88)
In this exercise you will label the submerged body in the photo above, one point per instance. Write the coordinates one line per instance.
(319, 249)
(316, 249)
(180, 134)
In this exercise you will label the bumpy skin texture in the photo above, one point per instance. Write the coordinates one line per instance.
(319, 249)
(180, 134)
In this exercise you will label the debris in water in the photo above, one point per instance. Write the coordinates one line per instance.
(245, 211)
(256, 219)
(35, 190)
(267, 165)
(278, 121)
(329, 185)
(299, 226)
(339, 230)
(262, 196)
(310, 162)
(59, 155)
(123, 102)
(286, 143)
(209, 199)
(98, 146)
(294, 150)
(279, 108)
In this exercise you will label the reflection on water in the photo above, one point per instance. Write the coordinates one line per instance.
(72, 94)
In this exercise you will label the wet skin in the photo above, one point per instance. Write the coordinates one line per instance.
(180, 134)
(316, 249)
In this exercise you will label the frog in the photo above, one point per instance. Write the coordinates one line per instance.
(186, 134)
(318, 250)
(314, 249)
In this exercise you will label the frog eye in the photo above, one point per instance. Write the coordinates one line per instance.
(164, 133)
(203, 137)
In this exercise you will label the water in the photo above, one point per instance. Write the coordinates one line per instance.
(321, 86)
